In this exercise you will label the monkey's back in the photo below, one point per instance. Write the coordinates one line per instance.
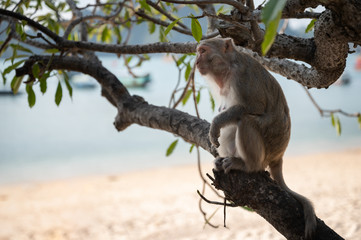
(265, 100)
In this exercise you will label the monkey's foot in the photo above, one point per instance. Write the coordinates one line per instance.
(218, 164)
(228, 164)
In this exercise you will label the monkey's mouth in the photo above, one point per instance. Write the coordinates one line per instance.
(202, 70)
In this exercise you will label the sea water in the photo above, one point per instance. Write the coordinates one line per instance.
(78, 138)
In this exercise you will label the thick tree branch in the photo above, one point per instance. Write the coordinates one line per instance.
(307, 76)
(259, 192)
(132, 49)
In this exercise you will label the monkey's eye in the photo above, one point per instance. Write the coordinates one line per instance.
(201, 50)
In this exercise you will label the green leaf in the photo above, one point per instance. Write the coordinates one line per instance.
(151, 27)
(36, 70)
(67, 84)
(338, 126)
(50, 5)
(198, 97)
(170, 26)
(186, 96)
(117, 32)
(106, 35)
(31, 94)
(128, 59)
(171, 148)
(181, 60)
(191, 148)
(310, 25)
(220, 10)
(333, 122)
(43, 83)
(213, 104)
(187, 72)
(15, 84)
(270, 34)
(12, 67)
(271, 15)
(144, 5)
(52, 50)
(21, 48)
(272, 10)
(58, 94)
(162, 36)
(248, 208)
(3, 76)
(196, 29)
(359, 121)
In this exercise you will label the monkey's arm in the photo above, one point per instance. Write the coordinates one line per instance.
(230, 116)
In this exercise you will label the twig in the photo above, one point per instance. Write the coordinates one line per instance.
(224, 212)
(194, 90)
(90, 17)
(210, 177)
(203, 190)
(328, 113)
(7, 40)
(97, 5)
(256, 31)
(32, 23)
(215, 202)
(169, 16)
(239, 6)
(142, 14)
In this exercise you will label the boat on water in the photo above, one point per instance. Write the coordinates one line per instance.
(5, 92)
(135, 82)
(83, 81)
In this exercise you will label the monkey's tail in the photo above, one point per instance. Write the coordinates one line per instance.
(308, 210)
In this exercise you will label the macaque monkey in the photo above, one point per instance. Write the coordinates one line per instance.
(252, 129)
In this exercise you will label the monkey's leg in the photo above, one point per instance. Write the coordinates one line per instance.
(249, 145)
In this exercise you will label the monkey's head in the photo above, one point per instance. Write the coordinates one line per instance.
(214, 57)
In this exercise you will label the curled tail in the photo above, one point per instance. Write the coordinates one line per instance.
(308, 211)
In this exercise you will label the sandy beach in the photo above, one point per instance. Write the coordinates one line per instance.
(163, 204)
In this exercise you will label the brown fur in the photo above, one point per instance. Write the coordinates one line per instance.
(252, 130)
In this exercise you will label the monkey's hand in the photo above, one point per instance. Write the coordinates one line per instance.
(214, 133)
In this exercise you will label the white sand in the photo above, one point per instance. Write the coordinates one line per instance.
(163, 204)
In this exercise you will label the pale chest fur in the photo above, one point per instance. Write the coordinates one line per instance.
(228, 99)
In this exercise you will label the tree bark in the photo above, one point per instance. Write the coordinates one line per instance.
(259, 192)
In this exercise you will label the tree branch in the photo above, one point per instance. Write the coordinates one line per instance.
(32, 23)
(259, 192)
(308, 77)
(133, 49)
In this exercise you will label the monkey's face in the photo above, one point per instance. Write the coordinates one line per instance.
(211, 60)
(201, 60)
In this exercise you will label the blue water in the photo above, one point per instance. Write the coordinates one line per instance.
(78, 138)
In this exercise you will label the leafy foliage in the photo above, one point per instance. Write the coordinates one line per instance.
(271, 16)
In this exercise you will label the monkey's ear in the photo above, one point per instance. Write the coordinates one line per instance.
(228, 45)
